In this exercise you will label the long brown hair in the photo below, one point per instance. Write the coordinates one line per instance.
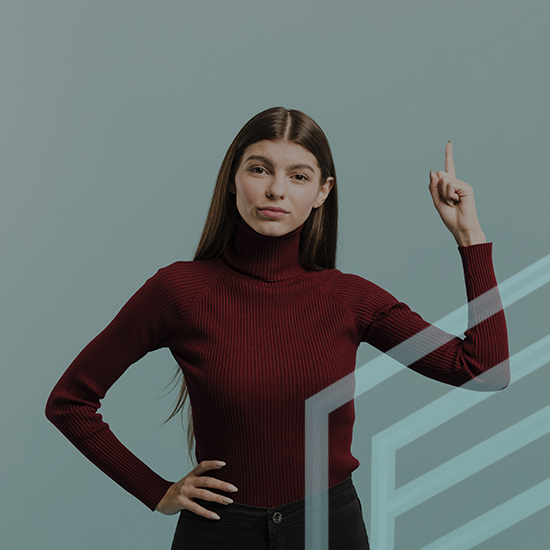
(319, 234)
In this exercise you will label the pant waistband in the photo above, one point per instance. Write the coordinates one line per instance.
(255, 517)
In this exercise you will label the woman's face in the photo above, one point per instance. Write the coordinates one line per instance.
(278, 174)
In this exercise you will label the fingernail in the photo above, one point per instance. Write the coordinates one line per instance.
(227, 500)
(220, 463)
(214, 516)
(232, 488)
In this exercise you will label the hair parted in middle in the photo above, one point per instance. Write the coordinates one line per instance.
(319, 234)
(318, 237)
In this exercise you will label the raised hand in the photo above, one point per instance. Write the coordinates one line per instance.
(194, 485)
(454, 200)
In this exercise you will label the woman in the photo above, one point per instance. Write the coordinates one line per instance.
(260, 321)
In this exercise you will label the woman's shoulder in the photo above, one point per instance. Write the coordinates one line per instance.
(187, 276)
(339, 279)
(362, 296)
(190, 269)
(349, 286)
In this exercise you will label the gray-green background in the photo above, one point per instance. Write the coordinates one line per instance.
(114, 118)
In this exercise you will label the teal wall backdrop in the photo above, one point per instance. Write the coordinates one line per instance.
(115, 116)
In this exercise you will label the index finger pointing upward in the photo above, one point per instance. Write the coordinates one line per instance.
(449, 163)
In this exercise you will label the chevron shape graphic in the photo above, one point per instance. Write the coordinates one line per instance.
(388, 503)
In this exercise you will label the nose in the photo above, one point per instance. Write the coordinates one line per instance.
(276, 187)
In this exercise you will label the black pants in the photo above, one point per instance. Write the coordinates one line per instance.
(281, 528)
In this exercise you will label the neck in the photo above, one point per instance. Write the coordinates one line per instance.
(265, 257)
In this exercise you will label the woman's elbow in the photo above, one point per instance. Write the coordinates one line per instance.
(495, 379)
(53, 407)
(507, 381)
(503, 373)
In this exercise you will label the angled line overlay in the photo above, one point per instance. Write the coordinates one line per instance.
(388, 503)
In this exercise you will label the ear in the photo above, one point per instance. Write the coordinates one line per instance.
(231, 188)
(323, 192)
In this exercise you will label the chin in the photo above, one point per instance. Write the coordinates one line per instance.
(269, 228)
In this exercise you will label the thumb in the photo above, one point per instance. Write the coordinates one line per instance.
(434, 182)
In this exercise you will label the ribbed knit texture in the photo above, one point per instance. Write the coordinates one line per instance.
(256, 335)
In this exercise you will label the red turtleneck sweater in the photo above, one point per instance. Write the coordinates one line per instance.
(256, 335)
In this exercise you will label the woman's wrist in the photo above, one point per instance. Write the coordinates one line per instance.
(468, 238)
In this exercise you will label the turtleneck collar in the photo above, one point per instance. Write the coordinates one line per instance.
(263, 257)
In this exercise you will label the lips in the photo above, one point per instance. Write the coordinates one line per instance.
(274, 209)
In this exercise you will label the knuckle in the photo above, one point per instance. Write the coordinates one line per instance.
(182, 502)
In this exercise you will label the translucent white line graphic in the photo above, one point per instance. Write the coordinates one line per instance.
(369, 376)
(388, 503)
(496, 520)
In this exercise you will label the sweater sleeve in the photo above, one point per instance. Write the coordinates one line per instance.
(478, 362)
(144, 324)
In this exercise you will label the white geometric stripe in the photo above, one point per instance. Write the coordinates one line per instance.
(373, 373)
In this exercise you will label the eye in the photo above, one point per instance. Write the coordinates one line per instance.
(254, 168)
(304, 178)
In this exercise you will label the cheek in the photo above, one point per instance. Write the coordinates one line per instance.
(247, 193)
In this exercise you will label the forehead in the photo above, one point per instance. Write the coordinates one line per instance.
(281, 152)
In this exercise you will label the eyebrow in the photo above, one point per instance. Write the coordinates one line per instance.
(270, 164)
